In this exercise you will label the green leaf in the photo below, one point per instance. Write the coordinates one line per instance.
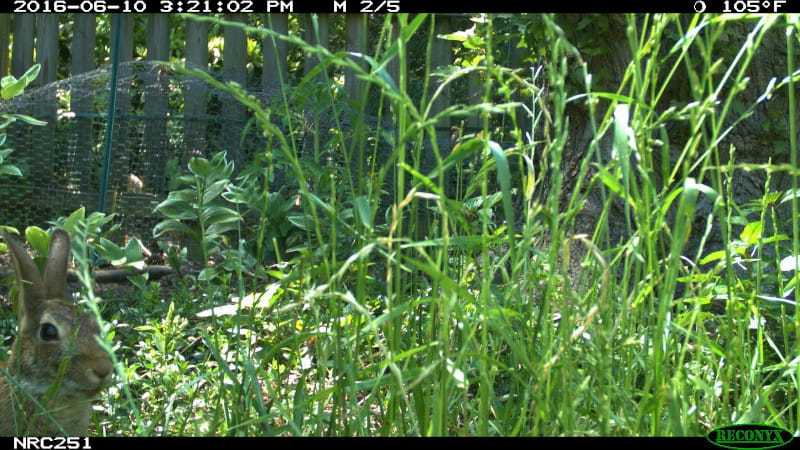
(789, 288)
(363, 211)
(188, 195)
(218, 214)
(170, 226)
(214, 190)
(220, 167)
(72, 221)
(217, 168)
(683, 221)
(10, 86)
(379, 69)
(186, 179)
(7, 80)
(772, 197)
(220, 228)
(529, 182)
(176, 209)
(612, 182)
(299, 220)
(6, 121)
(241, 195)
(752, 233)
(10, 170)
(97, 220)
(27, 119)
(31, 74)
(775, 238)
(790, 194)
(458, 36)
(461, 152)
(504, 178)
(713, 256)
(139, 280)
(38, 239)
(110, 251)
(133, 254)
(474, 43)
(207, 274)
(199, 167)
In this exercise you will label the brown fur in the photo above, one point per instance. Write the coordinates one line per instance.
(55, 358)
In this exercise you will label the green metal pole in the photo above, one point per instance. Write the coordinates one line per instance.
(112, 111)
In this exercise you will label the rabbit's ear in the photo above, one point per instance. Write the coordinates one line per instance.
(55, 271)
(27, 273)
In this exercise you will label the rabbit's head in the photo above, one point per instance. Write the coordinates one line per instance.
(56, 359)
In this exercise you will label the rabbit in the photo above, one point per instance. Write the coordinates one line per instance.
(55, 358)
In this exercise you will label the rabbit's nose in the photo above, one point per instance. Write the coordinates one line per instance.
(102, 370)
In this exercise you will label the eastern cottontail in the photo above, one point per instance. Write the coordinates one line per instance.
(55, 358)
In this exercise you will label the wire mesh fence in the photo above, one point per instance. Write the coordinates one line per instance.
(161, 120)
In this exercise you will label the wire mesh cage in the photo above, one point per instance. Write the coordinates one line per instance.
(161, 120)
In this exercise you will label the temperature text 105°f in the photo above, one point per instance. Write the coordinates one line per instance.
(369, 6)
(752, 6)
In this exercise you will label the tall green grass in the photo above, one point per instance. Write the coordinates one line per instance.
(492, 317)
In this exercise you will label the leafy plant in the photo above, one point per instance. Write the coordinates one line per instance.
(199, 210)
(96, 231)
(11, 87)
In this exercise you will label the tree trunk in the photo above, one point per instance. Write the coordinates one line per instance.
(760, 138)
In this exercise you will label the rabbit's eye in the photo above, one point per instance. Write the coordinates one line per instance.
(48, 332)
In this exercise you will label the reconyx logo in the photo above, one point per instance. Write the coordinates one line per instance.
(749, 436)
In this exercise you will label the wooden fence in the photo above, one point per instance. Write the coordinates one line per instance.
(65, 169)
(36, 40)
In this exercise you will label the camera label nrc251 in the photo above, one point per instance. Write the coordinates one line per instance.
(52, 443)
